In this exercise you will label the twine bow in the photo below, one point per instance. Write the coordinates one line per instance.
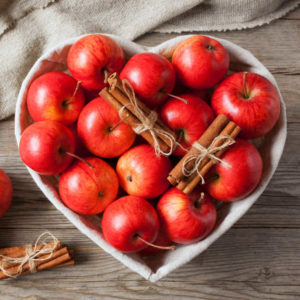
(32, 254)
(147, 122)
(209, 152)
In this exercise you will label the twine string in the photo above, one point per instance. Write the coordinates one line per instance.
(32, 255)
(209, 152)
(147, 122)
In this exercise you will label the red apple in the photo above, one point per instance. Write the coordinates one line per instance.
(55, 96)
(43, 147)
(127, 221)
(200, 62)
(250, 100)
(187, 219)
(152, 77)
(188, 120)
(142, 173)
(93, 55)
(240, 177)
(100, 129)
(5, 192)
(87, 190)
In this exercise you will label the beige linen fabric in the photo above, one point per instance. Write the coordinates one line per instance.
(29, 27)
(221, 15)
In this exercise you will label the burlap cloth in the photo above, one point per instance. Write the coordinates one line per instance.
(29, 27)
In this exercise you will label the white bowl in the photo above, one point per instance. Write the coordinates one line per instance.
(271, 149)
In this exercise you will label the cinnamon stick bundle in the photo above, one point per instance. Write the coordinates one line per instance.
(119, 98)
(220, 127)
(21, 260)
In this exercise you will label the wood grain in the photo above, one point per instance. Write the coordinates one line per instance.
(259, 258)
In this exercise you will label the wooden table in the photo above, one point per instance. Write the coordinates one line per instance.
(259, 258)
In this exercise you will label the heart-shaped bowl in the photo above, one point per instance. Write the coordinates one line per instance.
(270, 147)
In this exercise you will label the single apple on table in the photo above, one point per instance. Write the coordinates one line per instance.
(142, 173)
(91, 57)
(189, 120)
(200, 62)
(88, 190)
(129, 223)
(240, 174)
(187, 218)
(5, 192)
(152, 77)
(250, 100)
(45, 147)
(101, 130)
(55, 96)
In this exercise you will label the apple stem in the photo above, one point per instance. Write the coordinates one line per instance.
(76, 89)
(80, 158)
(199, 201)
(106, 75)
(115, 126)
(246, 95)
(68, 101)
(172, 247)
(178, 98)
(210, 47)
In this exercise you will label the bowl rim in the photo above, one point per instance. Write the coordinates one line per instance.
(133, 261)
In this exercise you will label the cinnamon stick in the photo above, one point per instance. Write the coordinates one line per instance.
(54, 264)
(66, 264)
(19, 251)
(130, 118)
(119, 99)
(226, 131)
(189, 185)
(124, 100)
(115, 82)
(46, 261)
(176, 174)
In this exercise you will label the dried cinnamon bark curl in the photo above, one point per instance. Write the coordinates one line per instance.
(213, 137)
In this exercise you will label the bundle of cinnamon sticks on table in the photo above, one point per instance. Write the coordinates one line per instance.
(210, 147)
(143, 120)
(21, 260)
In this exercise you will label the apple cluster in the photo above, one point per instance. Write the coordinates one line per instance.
(98, 157)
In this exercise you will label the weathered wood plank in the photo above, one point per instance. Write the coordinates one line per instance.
(243, 264)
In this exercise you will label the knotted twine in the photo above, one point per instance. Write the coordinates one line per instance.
(209, 152)
(32, 254)
(147, 122)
